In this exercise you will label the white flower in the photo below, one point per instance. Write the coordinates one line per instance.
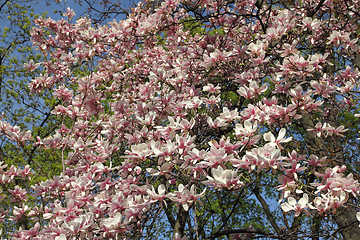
(280, 139)
(113, 222)
(61, 237)
(224, 178)
(292, 204)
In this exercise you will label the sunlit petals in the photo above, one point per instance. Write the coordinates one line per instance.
(224, 178)
(297, 206)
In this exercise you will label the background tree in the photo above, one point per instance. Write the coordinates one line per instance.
(192, 119)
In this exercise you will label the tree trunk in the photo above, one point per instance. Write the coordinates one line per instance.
(347, 222)
(180, 222)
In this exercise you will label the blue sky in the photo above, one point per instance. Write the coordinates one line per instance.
(51, 6)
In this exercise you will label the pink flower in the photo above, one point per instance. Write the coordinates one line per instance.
(315, 161)
(18, 194)
(140, 151)
(211, 88)
(251, 91)
(31, 66)
(322, 88)
(160, 195)
(228, 115)
(186, 197)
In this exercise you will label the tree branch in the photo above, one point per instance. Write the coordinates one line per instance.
(312, 13)
(266, 210)
(241, 230)
(3, 5)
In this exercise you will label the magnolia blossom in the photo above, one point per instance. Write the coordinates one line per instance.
(288, 184)
(164, 170)
(252, 90)
(330, 202)
(19, 212)
(276, 141)
(261, 158)
(257, 48)
(113, 222)
(327, 130)
(148, 119)
(297, 206)
(219, 122)
(315, 161)
(228, 115)
(14, 133)
(139, 151)
(186, 197)
(211, 88)
(214, 57)
(61, 237)
(311, 23)
(160, 196)
(246, 133)
(31, 66)
(224, 178)
(322, 88)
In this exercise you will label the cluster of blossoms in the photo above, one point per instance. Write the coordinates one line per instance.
(149, 127)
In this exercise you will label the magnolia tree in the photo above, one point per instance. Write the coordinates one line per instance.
(196, 120)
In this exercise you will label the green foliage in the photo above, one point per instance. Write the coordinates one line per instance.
(194, 26)
(230, 96)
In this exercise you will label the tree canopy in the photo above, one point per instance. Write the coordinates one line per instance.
(190, 120)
